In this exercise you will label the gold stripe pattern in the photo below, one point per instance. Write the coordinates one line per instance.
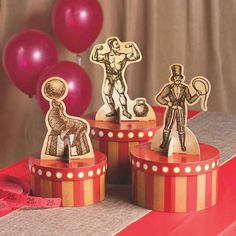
(112, 162)
(102, 187)
(214, 187)
(141, 188)
(181, 194)
(159, 186)
(131, 144)
(88, 191)
(201, 191)
(46, 188)
(67, 193)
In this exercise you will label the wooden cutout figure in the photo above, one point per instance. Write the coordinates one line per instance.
(114, 56)
(67, 136)
(175, 136)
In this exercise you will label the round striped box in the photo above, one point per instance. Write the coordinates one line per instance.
(116, 139)
(79, 183)
(180, 183)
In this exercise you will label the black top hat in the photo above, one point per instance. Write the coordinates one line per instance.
(176, 70)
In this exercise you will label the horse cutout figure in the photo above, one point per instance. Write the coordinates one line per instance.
(67, 136)
(114, 56)
(175, 137)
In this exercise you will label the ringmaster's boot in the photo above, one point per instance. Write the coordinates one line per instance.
(125, 112)
(113, 110)
(165, 139)
(182, 141)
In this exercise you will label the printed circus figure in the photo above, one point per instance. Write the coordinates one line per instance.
(115, 61)
(175, 96)
(67, 136)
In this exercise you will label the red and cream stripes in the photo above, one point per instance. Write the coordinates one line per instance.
(115, 139)
(117, 145)
(73, 193)
(175, 193)
(174, 187)
(78, 186)
(119, 168)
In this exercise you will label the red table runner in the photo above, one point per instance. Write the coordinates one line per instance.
(218, 220)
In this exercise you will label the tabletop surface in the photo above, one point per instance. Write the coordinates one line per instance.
(118, 214)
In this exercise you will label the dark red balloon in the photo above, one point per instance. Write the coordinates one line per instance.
(25, 55)
(79, 87)
(77, 23)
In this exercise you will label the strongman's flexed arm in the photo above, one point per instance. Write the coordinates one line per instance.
(135, 53)
(98, 57)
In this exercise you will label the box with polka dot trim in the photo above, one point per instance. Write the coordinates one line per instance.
(116, 140)
(180, 183)
(79, 183)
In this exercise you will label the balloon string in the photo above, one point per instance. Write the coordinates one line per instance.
(78, 59)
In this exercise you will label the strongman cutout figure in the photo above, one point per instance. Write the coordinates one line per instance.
(114, 56)
(175, 96)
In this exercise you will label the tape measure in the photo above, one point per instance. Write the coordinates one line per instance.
(14, 194)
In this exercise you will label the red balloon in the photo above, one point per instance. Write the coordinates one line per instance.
(79, 87)
(25, 55)
(77, 23)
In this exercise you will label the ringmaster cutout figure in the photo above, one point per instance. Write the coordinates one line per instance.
(115, 61)
(176, 96)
